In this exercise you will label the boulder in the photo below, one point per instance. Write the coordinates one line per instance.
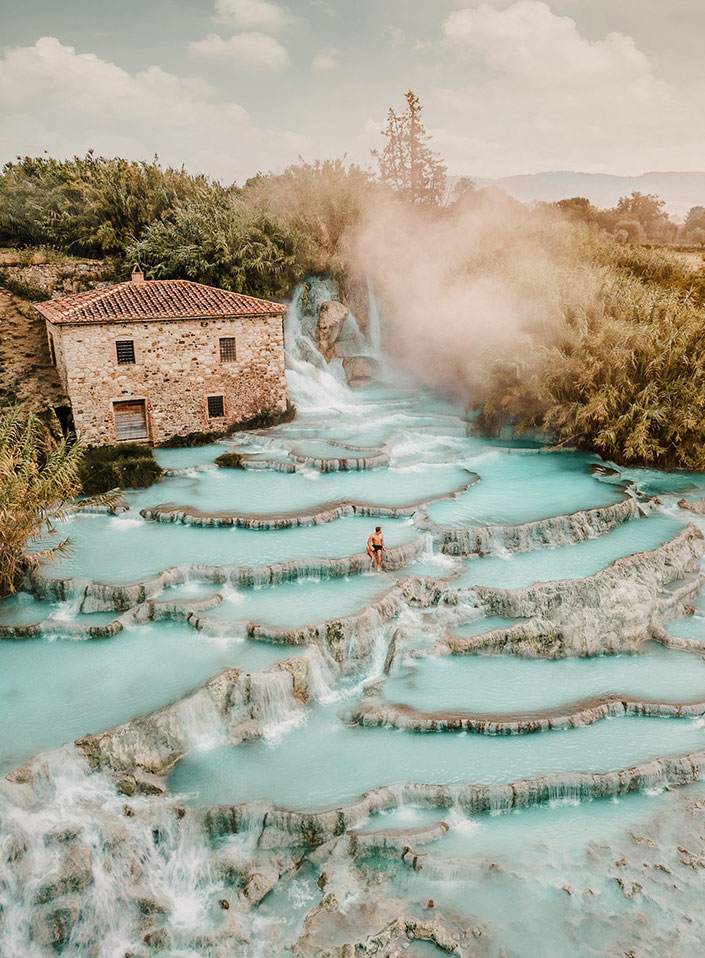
(73, 875)
(360, 370)
(52, 928)
(331, 320)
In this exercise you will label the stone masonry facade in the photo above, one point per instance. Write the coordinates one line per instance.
(177, 367)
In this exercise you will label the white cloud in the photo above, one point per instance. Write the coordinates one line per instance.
(528, 41)
(250, 52)
(53, 98)
(538, 94)
(252, 14)
(326, 60)
(394, 35)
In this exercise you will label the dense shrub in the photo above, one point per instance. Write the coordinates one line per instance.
(621, 373)
(230, 460)
(127, 466)
(90, 205)
(191, 439)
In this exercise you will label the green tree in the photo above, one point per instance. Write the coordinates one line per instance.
(578, 208)
(647, 208)
(227, 241)
(38, 479)
(320, 203)
(90, 205)
(695, 220)
(406, 163)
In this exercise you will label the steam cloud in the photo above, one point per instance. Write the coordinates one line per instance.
(465, 286)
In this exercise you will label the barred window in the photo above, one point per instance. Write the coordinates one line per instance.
(125, 349)
(228, 351)
(216, 407)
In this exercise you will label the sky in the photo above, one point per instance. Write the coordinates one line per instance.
(233, 87)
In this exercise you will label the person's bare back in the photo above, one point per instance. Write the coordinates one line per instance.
(375, 548)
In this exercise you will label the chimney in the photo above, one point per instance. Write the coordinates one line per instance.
(137, 274)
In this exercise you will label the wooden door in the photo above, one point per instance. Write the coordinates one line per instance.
(130, 420)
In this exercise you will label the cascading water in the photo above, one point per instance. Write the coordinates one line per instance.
(238, 777)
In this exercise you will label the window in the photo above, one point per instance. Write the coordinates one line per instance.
(52, 350)
(228, 351)
(125, 349)
(216, 407)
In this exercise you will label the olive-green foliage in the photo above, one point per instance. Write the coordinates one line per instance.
(230, 460)
(622, 370)
(190, 440)
(128, 466)
(225, 241)
(39, 478)
(265, 419)
(89, 205)
(320, 203)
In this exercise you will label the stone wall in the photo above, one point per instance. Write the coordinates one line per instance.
(177, 365)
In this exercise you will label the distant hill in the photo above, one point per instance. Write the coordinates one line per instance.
(679, 190)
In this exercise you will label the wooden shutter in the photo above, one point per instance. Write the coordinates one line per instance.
(130, 420)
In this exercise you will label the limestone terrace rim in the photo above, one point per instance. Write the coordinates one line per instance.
(155, 301)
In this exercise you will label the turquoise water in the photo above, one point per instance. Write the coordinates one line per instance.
(293, 604)
(517, 570)
(118, 549)
(325, 763)
(266, 492)
(55, 688)
(496, 684)
(522, 487)
(52, 691)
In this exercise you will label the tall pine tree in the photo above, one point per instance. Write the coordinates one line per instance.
(407, 163)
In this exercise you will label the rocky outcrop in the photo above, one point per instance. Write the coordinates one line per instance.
(331, 320)
(102, 597)
(559, 530)
(327, 923)
(614, 610)
(360, 370)
(375, 712)
(281, 828)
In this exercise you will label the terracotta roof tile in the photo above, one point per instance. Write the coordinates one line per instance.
(154, 299)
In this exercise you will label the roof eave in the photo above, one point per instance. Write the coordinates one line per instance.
(77, 321)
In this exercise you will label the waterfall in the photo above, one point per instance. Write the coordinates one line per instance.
(274, 705)
(314, 384)
(373, 322)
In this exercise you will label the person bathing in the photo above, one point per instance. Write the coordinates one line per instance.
(375, 548)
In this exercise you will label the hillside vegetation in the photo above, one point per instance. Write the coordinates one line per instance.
(610, 359)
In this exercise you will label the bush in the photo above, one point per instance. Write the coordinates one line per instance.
(265, 419)
(191, 439)
(230, 460)
(128, 466)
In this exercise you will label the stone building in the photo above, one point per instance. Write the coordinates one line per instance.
(150, 359)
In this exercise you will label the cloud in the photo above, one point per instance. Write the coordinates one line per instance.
(53, 98)
(528, 41)
(252, 14)
(326, 60)
(394, 35)
(250, 52)
(531, 92)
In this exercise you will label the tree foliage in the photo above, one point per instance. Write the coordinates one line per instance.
(320, 203)
(224, 241)
(407, 164)
(38, 479)
(89, 205)
(623, 370)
